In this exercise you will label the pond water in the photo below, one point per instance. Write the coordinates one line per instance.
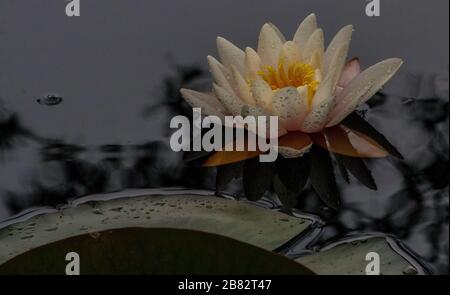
(70, 126)
(411, 202)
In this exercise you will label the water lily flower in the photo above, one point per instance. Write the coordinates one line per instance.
(312, 89)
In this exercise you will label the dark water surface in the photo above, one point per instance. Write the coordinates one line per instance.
(85, 105)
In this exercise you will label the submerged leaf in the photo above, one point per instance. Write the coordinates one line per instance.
(322, 177)
(358, 124)
(257, 178)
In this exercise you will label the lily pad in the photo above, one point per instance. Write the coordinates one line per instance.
(348, 257)
(242, 221)
(183, 232)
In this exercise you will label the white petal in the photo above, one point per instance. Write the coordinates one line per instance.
(315, 43)
(262, 93)
(220, 73)
(207, 102)
(231, 102)
(343, 37)
(316, 59)
(253, 111)
(242, 87)
(323, 103)
(327, 87)
(269, 46)
(290, 106)
(230, 54)
(279, 33)
(336, 67)
(256, 111)
(363, 87)
(288, 152)
(252, 63)
(290, 53)
(305, 30)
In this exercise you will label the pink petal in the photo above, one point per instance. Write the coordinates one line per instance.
(351, 70)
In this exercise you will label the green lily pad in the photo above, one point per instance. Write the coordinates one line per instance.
(181, 232)
(349, 258)
(242, 221)
(153, 251)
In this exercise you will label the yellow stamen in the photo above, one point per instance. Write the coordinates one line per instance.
(297, 74)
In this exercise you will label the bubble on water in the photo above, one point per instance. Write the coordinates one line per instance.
(50, 99)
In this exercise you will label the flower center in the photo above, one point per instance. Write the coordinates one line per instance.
(296, 75)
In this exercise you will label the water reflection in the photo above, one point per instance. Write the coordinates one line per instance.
(413, 200)
(411, 203)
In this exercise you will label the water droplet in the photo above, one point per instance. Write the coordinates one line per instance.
(97, 211)
(409, 270)
(94, 235)
(116, 209)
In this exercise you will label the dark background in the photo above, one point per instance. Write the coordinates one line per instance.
(116, 63)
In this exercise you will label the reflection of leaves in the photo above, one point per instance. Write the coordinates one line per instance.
(257, 178)
(89, 177)
(322, 177)
(430, 112)
(437, 173)
(60, 151)
(82, 176)
(39, 196)
(171, 90)
(355, 122)
(357, 168)
(11, 130)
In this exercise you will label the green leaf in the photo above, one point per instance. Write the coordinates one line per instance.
(322, 177)
(153, 252)
(358, 169)
(176, 232)
(287, 197)
(355, 122)
(293, 172)
(226, 173)
(201, 211)
(257, 178)
(349, 258)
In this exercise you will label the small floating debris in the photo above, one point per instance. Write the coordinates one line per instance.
(50, 100)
